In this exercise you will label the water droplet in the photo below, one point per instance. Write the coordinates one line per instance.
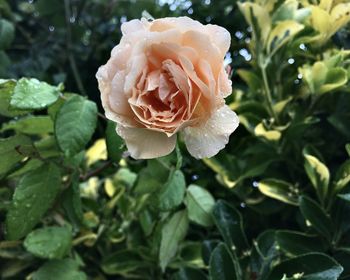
(72, 19)
(194, 177)
(239, 35)
(300, 76)
(291, 60)
(244, 52)
(302, 47)
(243, 205)
(30, 1)
(51, 28)
(255, 184)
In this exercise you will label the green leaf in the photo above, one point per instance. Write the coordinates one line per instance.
(285, 11)
(6, 89)
(258, 18)
(200, 204)
(30, 125)
(172, 193)
(345, 196)
(312, 266)
(34, 195)
(279, 190)
(66, 269)
(282, 33)
(72, 203)
(10, 151)
(33, 94)
(222, 265)
(187, 273)
(7, 33)
(316, 216)
(49, 242)
(270, 135)
(122, 262)
(173, 231)
(208, 247)
(318, 174)
(152, 177)
(190, 255)
(229, 222)
(347, 147)
(74, 125)
(342, 177)
(298, 243)
(251, 79)
(264, 252)
(336, 77)
(115, 144)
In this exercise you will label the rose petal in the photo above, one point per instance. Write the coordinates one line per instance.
(224, 83)
(220, 37)
(209, 138)
(113, 99)
(132, 26)
(145, 144)
(180, 23)
(205, 48)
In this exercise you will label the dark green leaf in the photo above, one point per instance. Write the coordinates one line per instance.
(33, 94)
(34, 195)
(229, 222)
(10, 151)
(316, 216)
(222, 265)
(59, 270)
(114, 142)
(298, 243)
(122, 262)
(187, 273)
(313, 266)
(208, 247)
(49, 242)
(347, 147)
(74, 125)
(264, 252)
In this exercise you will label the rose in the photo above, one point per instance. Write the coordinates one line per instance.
(164, 77)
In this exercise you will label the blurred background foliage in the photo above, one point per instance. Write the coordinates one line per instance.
(273, 205)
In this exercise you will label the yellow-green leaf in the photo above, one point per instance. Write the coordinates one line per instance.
(280, 190)
(281, 34)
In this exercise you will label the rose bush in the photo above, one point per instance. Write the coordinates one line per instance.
(274, 204)
(168, 76)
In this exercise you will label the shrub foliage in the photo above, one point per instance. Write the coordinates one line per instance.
(273, 205)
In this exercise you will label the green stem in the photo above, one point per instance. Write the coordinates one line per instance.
(268, 97)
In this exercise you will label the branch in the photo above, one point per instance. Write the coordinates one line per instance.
(71, 58)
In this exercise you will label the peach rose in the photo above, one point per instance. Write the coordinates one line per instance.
(164, 77)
